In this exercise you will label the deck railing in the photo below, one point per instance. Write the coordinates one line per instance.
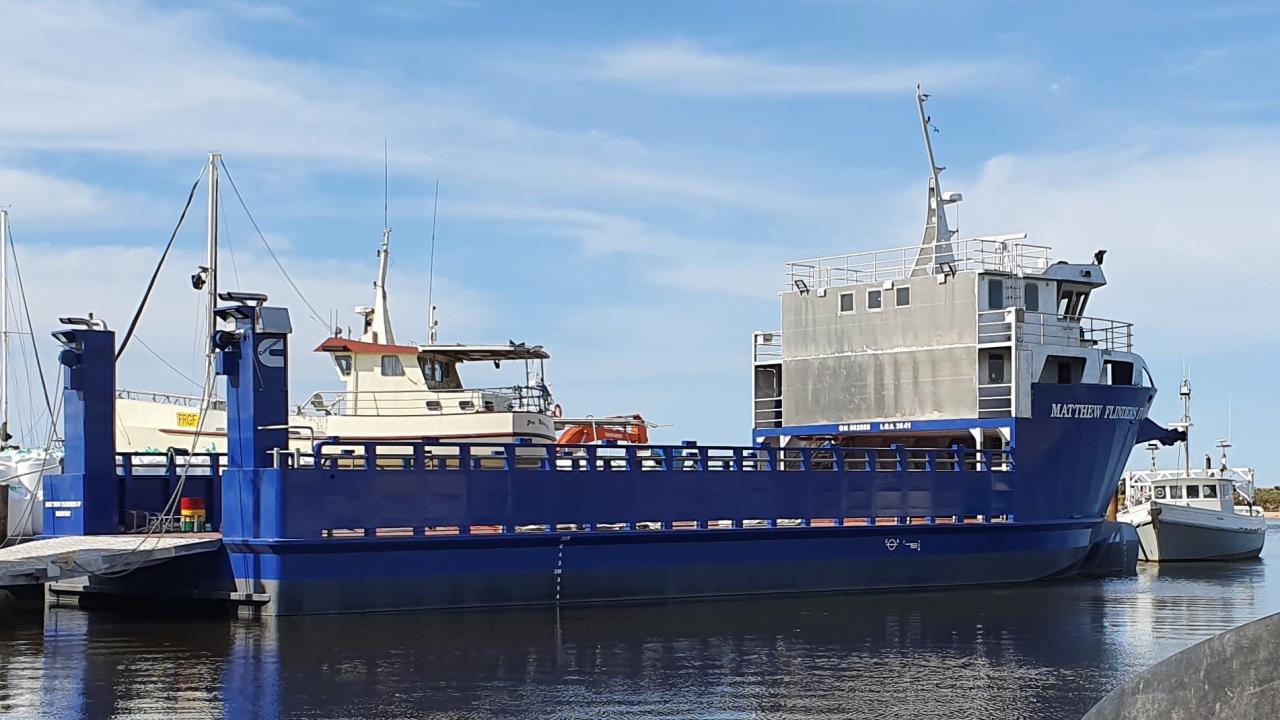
(996, 327)
(1004, 254)
(374, 490)
(191, 401)
(149, 479)
(428, 402)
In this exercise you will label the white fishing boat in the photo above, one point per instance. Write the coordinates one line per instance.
(392, 390)
(1191, 514)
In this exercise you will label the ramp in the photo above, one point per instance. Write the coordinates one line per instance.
(73, 556)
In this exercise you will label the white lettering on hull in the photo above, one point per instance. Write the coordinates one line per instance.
(1082, 411)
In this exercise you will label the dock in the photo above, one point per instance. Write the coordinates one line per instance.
(75, 556)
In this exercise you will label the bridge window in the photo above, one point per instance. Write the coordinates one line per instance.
(1193, 492)
(903, 297)
(846, 302)
(344, 364)
(391, 366)
(1210, 491)
(1159, 493)
(1118, 372)
(1031, 300)
(995, 294)
(1175, 492)
(874, 301)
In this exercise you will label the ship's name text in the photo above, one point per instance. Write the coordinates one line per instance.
(1095, 412)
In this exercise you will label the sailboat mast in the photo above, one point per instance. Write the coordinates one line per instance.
(211, 261)
(4, 326)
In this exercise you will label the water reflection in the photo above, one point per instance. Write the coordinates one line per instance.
(1038, 651)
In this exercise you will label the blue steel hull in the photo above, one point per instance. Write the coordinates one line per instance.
(489, 572)
(1048, 502)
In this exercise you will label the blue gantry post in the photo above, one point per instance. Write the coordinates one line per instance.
(84, 499)
(253, 356)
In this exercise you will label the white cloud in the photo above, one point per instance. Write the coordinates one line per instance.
(1189, 232)
(685, 67)
(39, 199)
(147, 82)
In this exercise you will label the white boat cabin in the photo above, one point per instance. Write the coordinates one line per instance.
(1208, 489)
(385, 379)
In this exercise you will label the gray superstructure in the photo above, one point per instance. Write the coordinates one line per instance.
(947, 329)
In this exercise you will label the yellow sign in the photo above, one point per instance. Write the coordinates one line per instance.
(188, 419)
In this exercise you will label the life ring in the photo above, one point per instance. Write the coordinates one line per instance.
(556, 411)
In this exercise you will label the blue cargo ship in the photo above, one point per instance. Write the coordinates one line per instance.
(938, 415)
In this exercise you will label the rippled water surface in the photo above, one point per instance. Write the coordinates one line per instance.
(1047, 650)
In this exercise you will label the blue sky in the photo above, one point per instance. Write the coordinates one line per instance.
(622, 182)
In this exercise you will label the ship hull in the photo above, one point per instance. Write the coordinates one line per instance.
(367, 575)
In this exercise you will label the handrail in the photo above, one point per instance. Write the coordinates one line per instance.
(162, 398)
(517, 398)
(998, 254)
(766, 346)
(337, 454)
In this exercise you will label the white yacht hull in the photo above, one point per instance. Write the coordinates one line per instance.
(149, 426)
(1172, 533)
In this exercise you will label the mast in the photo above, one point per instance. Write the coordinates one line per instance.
(381, 324)
(211, 260)
(377, 321)
(935, 249)
(1184, 391)
(4, 326)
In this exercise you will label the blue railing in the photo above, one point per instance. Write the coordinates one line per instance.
(376, 489)
(149, 479)
(337, 454)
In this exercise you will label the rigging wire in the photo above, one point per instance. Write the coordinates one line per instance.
(133, 324)
(279, 266)
(167, 364)
(431, 263)
(224, 235)
(35, 347)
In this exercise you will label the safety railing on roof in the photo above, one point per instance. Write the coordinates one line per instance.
(993, 254)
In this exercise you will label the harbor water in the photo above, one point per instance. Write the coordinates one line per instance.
(1045, 650)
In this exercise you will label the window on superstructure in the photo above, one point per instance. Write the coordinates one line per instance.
(846, 302)
(1193, 492)
(344, 364)
(1175, 492)
(903, 296)
(1159, 493)
(1210, 491)
(995, 294)
(1032, 299)
(995, 369)
(874, 300)
(391, 366)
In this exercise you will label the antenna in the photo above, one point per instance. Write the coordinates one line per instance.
(386, 183)
(431, 270)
